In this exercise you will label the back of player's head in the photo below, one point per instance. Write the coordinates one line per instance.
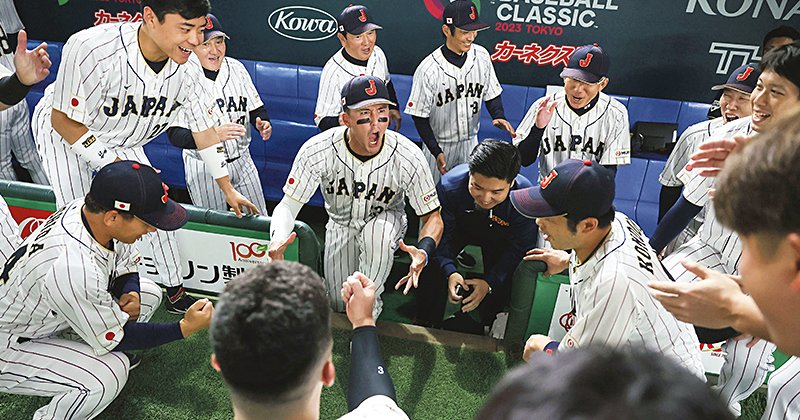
(785, 61)
(756, 193)
(270, 332)
(602, 384)
(495, 159)
(783, 31)
(188, 9)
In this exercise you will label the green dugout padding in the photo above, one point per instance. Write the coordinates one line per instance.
(522, 300)
(41, 197)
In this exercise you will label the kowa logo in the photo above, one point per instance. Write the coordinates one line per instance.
(779, 9)
(302, 23)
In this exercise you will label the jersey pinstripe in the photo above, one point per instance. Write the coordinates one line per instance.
(602, 134)
(10, 232)
(684, 147)
(15, 126)
(613, 306)
(783, 392)
(338, 71)
(234, 96)
(365, 202)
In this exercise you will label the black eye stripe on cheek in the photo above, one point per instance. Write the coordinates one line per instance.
(383, 119)
(363, 121)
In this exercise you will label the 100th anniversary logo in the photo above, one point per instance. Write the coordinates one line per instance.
(302, 23)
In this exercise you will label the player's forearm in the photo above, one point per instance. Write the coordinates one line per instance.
(259, 112)
(368, 373)
(146, 335)
(432, 226)
(69, 129)
(283, 217)
(529, 147)
(495, 108)
(673, 223)
(328, 122)
(748, 318)
(181, 137)
(12, 91)
(426, 134)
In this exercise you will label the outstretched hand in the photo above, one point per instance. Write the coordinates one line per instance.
(278, 248)
(32, 65)
(418, 258)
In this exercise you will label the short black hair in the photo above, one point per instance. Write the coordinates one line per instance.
(783, 31)
(93, 206)
(269, 330)
(602, 221)
(785, 61)
(605, 384)
(495, 159)
(188, 9)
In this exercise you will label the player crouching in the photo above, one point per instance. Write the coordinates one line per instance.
(365, 173)
(78, 273)
(610, 266)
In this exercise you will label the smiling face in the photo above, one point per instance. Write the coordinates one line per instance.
(367, 126)
(734, 105)
(460, 41)
(555, 230)
(175, 37)
(772, 98)
(486, 191)
(579, 94)
(211, 53)
(360, 46)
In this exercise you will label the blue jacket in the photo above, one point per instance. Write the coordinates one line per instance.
(503, 229)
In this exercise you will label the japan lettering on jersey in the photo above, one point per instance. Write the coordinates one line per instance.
(337, 72)
(58, 278)
(452, 97)
(104, 83)
(356, 191)
(234, 96)
(684, 147)
(613, 306)
(602, 134)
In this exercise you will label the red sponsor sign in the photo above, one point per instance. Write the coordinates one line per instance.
(28, 219)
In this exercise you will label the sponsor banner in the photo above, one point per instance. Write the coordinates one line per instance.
(210, 255)
(563, 319)
(673, 49)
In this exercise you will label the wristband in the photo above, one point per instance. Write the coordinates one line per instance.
(552, 347)
(428, 245)
(12, 91)
(214, 158)
(93, 151)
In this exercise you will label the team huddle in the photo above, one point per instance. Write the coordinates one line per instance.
(74, 309)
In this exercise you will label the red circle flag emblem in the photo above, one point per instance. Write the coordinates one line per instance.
(291, 181)
(110, 335)
(74, 102)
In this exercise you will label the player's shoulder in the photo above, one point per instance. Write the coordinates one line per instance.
(701, 128)
(740, 126)
(100, 40)
(235, 65)
(455, 178)
(378, 52)
(323, 141)
(481, 52)
(611, 104)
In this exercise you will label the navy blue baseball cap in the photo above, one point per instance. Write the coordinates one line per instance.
(588, 63)
(363, 91)
(213, 28)
(580, 188)
(463, 15)
(743, 79)
(130, 187)
(356, 20)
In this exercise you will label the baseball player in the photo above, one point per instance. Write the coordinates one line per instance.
(10, 231)
(238, 106)
(609, 265)
(118, 87)
(77, 273)
(763, 171)
(272, 344)
(719, 248)
(365, 173)
(734, 104)
(15, 126)
(359, 56)
(581, 122)
(449, 88)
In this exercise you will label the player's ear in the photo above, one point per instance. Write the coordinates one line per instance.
(342, 38)
(328, 373)
(214, 362)
(148, 15)
(589, 224)
(603, 83)
(345, 119)
(445, 31)
(793, 239)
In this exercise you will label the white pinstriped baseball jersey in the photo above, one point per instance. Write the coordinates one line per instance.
(684, 147)
(355, 191)
(105, 83)
(58, 278)
(338, 71)
(9, 17)
(452, 97)
(602, 134)
(5, 71)
(10, 231)
(613, 306)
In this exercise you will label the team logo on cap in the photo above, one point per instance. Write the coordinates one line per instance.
(372, 89)
(209, 23)
(474, 13)
(363, 16)
(547, 180)
(164, 197)
(585, 62)
(120, 205)
(745, 74)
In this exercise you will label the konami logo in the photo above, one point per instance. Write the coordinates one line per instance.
(779, 9)
(302, 23)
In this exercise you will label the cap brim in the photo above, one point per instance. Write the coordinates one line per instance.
(583, 76)
(737, 87)
(530, 203)
(474, 26)
(369, 26)
(369, 102)
(172, 217)
(213, 34)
